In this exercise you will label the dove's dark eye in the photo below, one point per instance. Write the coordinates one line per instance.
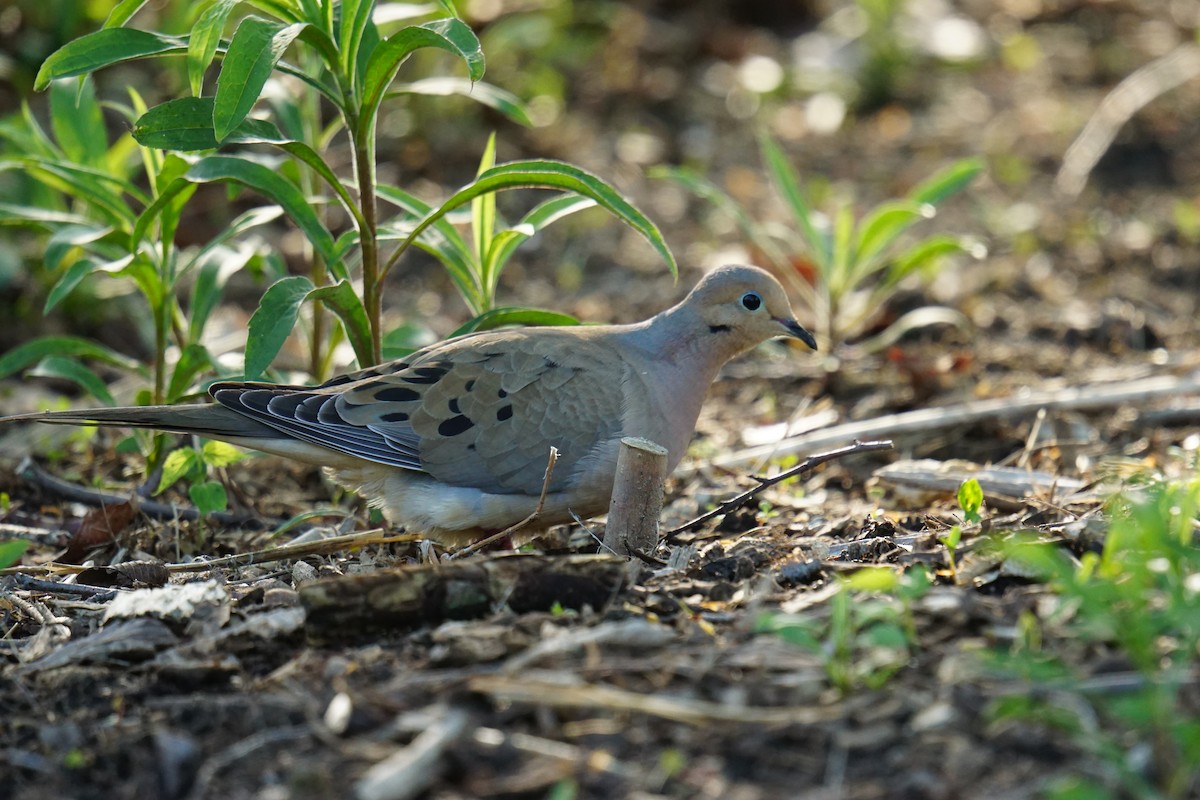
(751, 301)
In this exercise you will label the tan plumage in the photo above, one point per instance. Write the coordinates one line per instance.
(452, 441)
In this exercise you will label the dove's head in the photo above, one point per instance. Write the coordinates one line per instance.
(743, 306)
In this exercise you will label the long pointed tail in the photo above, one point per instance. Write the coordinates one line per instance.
(203, 419)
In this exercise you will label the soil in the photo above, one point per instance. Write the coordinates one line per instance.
(555, 673)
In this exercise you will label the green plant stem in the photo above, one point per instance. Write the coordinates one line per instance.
(364, 165)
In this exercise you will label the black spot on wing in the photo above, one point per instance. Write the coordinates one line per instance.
(455, 425)
(424, 375)
(396, 394)
(454, 409)
(504, 413)
(394, 416)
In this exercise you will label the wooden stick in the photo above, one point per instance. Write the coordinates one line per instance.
(511, 529)
(766, 483)
(637, 497)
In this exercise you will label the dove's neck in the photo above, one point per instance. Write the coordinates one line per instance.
(674, 356)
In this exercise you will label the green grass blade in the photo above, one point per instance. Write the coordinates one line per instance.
(923, 255)
(102, 49)
(787, 183)
(255, 49)
(840, 277)
(947, 181)
(483, 224)
(711, 193)
(882, 226)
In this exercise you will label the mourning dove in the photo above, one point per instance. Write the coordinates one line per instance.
(452, 441)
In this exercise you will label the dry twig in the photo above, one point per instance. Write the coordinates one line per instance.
(766, 483)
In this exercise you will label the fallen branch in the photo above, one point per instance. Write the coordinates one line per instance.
(31, 472)
(548, 694)
(926, 419)
(319, 547)
(766, 483)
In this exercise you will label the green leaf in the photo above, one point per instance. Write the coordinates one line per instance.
(486, 94)
(506, 242)
(186, 124)
(970, 499)
(82, 183)
(67, 282)
(104, 48)
(209, 497)
(202, 44)
(450, 35)
(267, 182)
(221, 454)
(77, 122)
(264, 132)
(356, 15)
(193, 360)
(873, 579)
(947, 181)
(549, 175)
(952, 538)
(255, 49)
(11, 552)
(170, 169)
(345, 303)
(440, 240)
(513, 315)
(64, 240)
(25, 355)
(122, 12)
(273, 321)
(178, 464)
(70, 370)
(44, 217)
(787, 183)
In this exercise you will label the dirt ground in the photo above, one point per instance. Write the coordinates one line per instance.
(559, 673)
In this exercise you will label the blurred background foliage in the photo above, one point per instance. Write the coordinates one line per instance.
(867, 97)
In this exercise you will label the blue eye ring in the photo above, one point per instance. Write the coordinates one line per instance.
(751, 301)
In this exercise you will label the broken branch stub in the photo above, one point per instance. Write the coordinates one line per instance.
(637, 497)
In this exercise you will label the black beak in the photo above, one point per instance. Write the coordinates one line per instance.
(798, 331)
